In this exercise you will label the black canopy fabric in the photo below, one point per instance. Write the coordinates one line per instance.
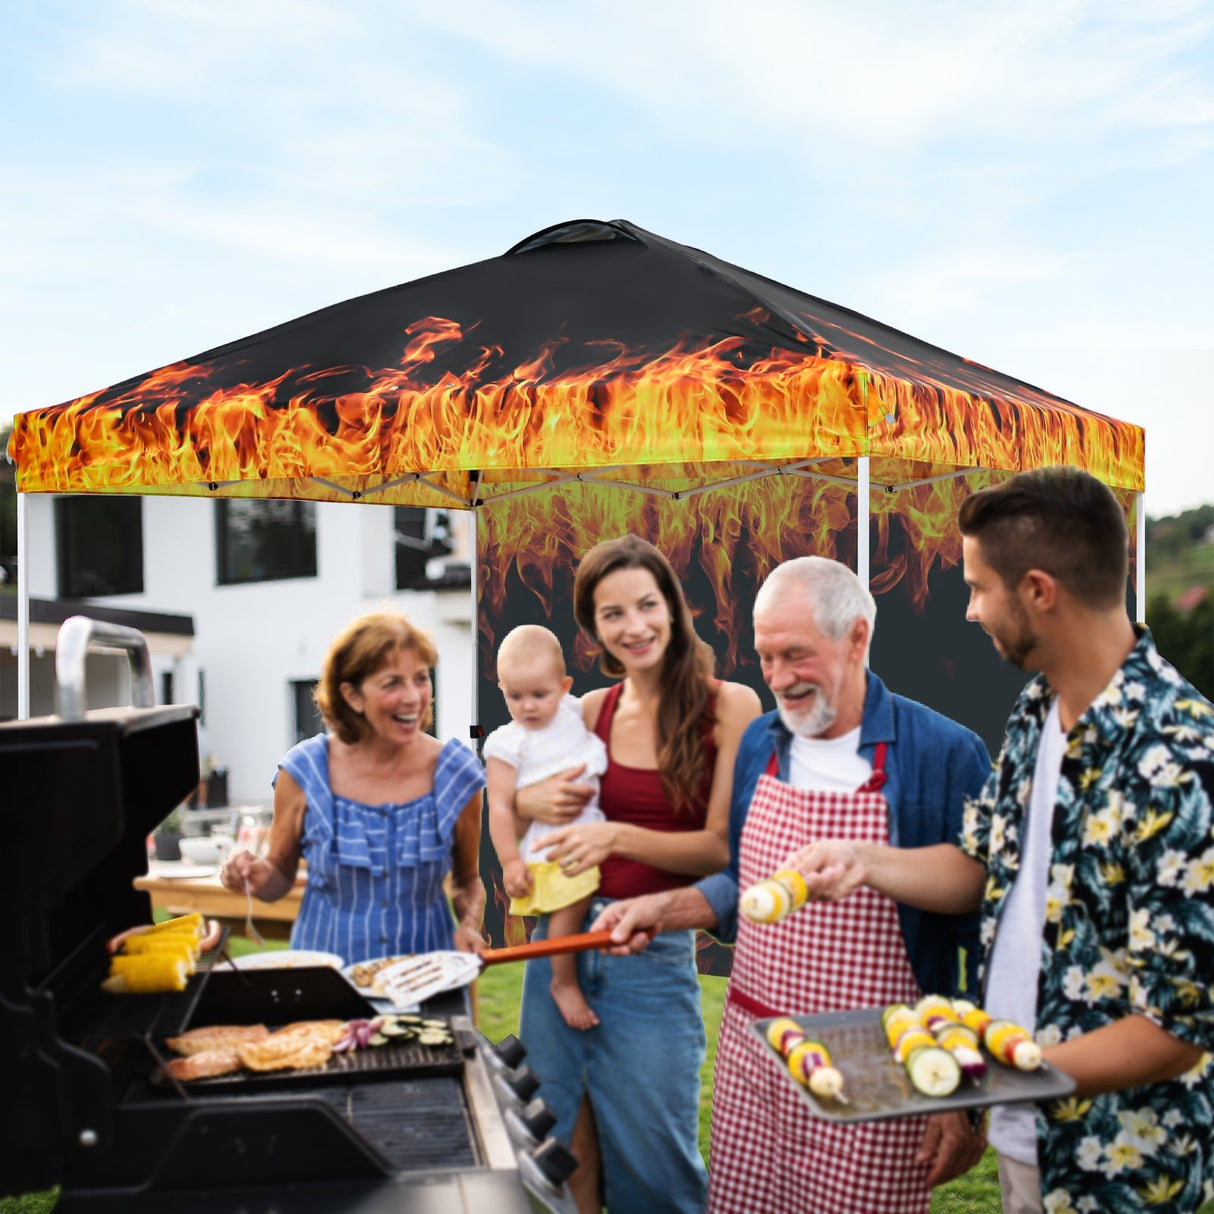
(591, 350)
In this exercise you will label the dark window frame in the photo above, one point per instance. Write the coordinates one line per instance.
(420, 534)
(87, 527)
(297, 559)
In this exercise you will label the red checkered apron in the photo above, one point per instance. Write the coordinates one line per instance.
(769, 1154)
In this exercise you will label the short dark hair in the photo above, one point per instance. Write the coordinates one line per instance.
(1062, 521)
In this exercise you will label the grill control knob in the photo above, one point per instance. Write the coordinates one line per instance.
(555, 1161)
(538, 1118)
(523, 1082)
(510, 1050)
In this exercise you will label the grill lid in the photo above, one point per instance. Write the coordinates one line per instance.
(79, 799)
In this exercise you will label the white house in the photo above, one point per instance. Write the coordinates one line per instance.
(266, 585)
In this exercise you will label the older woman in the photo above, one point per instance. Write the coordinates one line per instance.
(380, 810)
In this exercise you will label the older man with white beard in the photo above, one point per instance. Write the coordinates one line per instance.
(841, 757)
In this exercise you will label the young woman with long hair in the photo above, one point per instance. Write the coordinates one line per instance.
(626, 1091)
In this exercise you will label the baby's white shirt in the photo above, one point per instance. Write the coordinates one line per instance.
(536, 754)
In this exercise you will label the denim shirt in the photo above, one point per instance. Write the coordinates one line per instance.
(932, 766)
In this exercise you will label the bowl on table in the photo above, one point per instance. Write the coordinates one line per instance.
(206, 849)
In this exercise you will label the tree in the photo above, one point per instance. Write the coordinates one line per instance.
(1186, 639)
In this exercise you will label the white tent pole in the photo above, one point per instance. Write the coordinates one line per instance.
(1141, 503)
(23, 608)
(862, 513)
(474, 691)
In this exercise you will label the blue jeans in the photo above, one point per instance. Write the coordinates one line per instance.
(640, 1067)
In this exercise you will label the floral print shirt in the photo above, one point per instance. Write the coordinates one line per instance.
(1129, 925)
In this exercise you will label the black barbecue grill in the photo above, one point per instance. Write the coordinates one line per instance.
(85, 1103)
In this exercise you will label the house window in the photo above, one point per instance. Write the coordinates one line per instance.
(421, 535)
(308, 721)
(262, 541)
(99, 546)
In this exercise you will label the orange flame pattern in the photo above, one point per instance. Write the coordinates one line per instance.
(739, 531)
(306, 433)
(743, 529)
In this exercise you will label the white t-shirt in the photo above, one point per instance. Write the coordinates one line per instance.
(536, 754)
(828, 764)
(1015, 965)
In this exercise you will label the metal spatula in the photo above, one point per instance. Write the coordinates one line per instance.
(417, 978)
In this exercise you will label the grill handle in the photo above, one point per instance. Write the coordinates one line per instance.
(77, 635)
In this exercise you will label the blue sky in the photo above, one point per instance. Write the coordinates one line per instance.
(1026, 184)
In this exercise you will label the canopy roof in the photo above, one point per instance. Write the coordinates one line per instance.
(591, 350)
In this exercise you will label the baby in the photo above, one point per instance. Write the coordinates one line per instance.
(546, 735)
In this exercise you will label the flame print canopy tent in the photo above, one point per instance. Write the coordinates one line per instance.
(591, 351)
(596, 350)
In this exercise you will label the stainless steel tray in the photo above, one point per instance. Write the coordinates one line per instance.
(876, 1087)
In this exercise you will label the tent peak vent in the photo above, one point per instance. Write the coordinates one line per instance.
(576, 231)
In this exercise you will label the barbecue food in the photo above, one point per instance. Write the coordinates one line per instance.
(216, 1037)
(808, 1061)
(933, 1070)
(158, 957)
(776, 898)
(147, 973)
(204, 934)
(206, 1064)
(1012, 1045)
(364, 974)
(283, 1051)
(323, 1030)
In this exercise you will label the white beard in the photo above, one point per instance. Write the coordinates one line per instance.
(809, 722)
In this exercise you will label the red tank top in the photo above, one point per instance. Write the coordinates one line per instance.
(635, 795)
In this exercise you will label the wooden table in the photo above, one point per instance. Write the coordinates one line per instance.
(181, 895)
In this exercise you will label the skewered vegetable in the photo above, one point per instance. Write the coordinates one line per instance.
(963, 1045)
(933, 1070)
(972, 1016)
(1012, 1045)
(783, 1034)
(776, 898)
(914, 1038)
(809, 1062)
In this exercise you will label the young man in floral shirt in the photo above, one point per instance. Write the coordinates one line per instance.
(1091, 855)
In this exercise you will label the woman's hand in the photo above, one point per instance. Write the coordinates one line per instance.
(556, 800)
(468, 939)
(577, 848)
(240, 872)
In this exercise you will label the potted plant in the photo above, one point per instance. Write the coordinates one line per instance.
(167, 836)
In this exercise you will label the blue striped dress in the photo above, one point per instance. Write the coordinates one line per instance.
(375, 872)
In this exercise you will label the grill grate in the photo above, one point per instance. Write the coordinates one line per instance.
(412, 1124)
